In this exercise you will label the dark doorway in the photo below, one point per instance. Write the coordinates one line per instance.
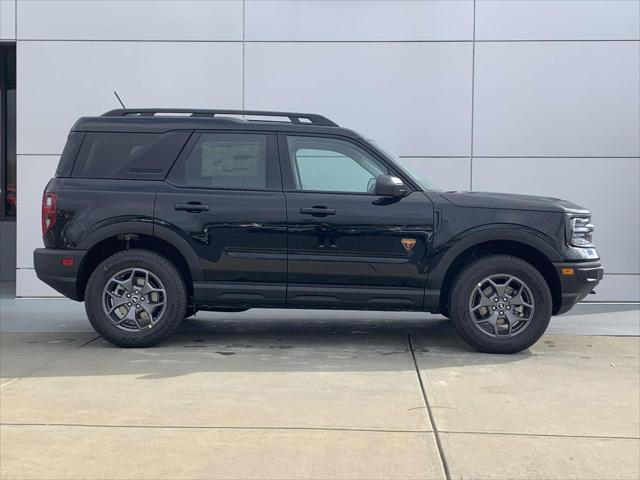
(8, 183)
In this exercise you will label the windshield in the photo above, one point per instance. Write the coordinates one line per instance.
(409, 168)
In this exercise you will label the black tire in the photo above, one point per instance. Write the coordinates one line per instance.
(164, 270)
(464, 286)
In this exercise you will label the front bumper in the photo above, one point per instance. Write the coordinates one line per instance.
(578, 282)
(59, 269)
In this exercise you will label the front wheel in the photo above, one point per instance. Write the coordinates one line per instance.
(500, 304)
(135, 298)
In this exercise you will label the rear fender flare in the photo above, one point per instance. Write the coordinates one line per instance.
(151, 230)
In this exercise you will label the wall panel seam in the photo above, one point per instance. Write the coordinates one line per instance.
(473, 88)
(244, 12)
(178, 40)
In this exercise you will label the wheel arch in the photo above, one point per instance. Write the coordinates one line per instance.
(108, 240)
(523, 245)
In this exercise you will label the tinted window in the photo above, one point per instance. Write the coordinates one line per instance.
(224, 160)
(68, 157)
(145, 156)
(327, 164)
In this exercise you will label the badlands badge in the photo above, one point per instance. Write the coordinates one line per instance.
(408, 243)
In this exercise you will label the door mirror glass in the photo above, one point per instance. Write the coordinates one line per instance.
(389, 186)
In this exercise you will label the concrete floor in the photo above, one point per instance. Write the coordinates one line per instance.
(312, 394)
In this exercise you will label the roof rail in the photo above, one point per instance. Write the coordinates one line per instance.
(298, 118)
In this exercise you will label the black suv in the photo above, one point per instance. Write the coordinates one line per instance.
(155, 214)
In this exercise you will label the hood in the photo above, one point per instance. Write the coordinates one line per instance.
(512, 201)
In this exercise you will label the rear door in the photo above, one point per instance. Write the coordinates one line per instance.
(347, 246)
(224, 196)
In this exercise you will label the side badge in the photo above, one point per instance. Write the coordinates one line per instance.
(408, 243)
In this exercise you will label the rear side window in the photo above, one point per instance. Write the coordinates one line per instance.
(68, 157)
(224, 160)
(142, 156)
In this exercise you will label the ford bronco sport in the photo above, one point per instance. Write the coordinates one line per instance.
(155, 214)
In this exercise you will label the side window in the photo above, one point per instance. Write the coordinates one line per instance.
(224, 160)
(119, 155)
(332, 165)
(102, 153)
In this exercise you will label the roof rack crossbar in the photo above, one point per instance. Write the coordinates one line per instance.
(298, 118)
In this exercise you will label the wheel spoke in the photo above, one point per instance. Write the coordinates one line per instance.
(499, 288)
(126, 284)
(130, 316)
(149, 308)
(484, 301)
(513, 319)
(491, 319)
(117, 302)
(519, 300)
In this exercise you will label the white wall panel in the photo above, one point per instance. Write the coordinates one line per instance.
(359, 20)
(34, 171)
(7, 19)
(557, 98)
(617, 288)
(558, 20)
(609, 187)
(445, 173)
(414, 98)
(61, 81)
(29, 285)
(130, 20)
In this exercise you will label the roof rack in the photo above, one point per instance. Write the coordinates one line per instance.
(298, 118)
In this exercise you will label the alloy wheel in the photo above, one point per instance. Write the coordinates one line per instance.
(501, 306)
(134, 299)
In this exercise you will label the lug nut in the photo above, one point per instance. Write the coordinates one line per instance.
(508, 307)
(495, 299)
(501, 312)
(493, 308)
(128, 296)
(504, 299)
(128, 304)
(138, 306)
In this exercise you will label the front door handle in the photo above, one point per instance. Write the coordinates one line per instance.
(318, 211)
(192, 207)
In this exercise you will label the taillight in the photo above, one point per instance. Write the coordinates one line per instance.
(49, 211)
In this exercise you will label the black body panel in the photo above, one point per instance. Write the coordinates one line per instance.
(88, 206)
(241, 240)
(358, 248)
(48, 263)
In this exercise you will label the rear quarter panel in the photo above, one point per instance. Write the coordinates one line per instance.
(88, 205)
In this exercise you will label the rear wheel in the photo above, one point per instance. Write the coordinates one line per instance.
(500, 304)
(135, 298)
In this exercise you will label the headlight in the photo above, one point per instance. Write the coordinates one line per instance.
(580, 232)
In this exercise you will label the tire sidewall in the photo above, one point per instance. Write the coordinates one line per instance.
(467, 281)
(159, 266)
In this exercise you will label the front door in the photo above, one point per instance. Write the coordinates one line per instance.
(224, 196)
(349, 248)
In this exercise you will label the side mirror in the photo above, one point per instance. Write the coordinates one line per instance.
(389, 186)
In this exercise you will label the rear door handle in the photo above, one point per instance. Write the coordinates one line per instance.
(192, 207)
(318, 211)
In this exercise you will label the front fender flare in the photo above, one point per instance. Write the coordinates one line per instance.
(469, 239)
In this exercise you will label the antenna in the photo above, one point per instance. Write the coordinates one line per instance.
(118, 97)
